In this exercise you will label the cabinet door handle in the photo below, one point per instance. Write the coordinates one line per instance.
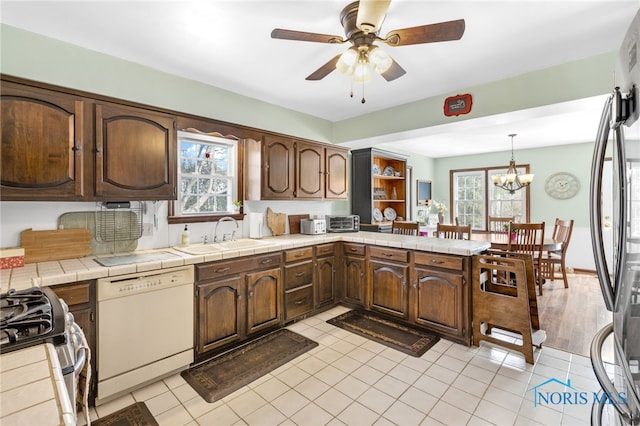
(221, 270)
(76, 147)
(250, 294)
(98, 148)
(415, 284)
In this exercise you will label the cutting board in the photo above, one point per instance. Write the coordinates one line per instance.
(43, 246)
(275, 222)
(294, 222)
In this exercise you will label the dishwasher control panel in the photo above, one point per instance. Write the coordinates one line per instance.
(124, 285)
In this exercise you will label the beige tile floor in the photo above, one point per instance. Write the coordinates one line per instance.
(349, 380)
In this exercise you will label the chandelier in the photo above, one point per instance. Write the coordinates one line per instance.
(511, 181)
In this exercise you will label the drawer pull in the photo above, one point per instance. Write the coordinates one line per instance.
(353, 249)
(387, 254)
(437, 262)
(299, 255)
(221, 270)
(300, 302)
(300, 274)
(265, 261)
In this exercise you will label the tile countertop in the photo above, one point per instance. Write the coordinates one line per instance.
(86, 268)
(32, 389)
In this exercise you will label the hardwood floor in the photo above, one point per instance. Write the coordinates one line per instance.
(572, 316)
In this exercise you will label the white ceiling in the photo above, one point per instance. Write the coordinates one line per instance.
(227, 44)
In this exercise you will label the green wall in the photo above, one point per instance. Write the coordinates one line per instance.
(574, 158)
(29, 55)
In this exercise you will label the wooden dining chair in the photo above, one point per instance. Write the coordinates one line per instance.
(460, 232)
(562, 233)
(497, 224)
(405, 227)
(528, 238)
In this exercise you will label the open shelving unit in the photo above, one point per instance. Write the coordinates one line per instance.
(378, 181)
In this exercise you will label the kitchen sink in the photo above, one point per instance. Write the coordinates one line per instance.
(242, 243)
(199, 248)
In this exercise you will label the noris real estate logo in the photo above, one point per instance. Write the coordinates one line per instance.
(556, 392)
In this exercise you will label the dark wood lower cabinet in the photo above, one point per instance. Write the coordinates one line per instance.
(245, 297)
(388, 281)
(325, 270)
(355, 277)
(441, 295)
(235, 300)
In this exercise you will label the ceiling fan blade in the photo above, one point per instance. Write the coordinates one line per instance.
(394, 71)
(431, 33)
(305, 36)
(371, 13)
(324, 70)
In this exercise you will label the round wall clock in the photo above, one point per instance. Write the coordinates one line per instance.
(562, 185)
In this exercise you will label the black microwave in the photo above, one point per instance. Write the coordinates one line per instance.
(343, 223)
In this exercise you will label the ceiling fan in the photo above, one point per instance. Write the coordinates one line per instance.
(361, 22)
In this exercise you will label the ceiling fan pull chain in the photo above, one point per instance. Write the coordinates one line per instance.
(363, 100)
(351, 86)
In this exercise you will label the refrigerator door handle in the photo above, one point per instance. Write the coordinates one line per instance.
(610, 391)
(595, 206)
(622, 216)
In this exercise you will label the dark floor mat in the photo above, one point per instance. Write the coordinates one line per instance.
(405, 339)
(227, 373)
(134, 415)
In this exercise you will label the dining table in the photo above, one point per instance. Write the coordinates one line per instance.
(500, 241)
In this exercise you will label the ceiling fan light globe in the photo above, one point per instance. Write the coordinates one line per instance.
(380, 60)
(347, 62)
(362, 72)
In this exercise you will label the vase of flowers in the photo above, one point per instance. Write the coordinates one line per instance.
(237, 205)
(440, 209)
(506, 231)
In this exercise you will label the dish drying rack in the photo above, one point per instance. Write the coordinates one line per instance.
(119, 221)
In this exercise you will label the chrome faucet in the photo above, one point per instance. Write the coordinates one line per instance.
(224, 236)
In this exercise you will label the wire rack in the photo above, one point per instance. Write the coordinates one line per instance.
(119, 221)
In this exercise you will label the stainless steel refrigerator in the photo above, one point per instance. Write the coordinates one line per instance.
(618, 137)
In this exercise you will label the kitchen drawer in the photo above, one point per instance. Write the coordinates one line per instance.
(355, 249)
(298, 302)
(74, 294)
(389, 253)
(215, 270)
(439, 261)
(298, 254)
(298, 275)
(325, 249)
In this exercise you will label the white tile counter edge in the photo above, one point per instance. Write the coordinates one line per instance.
(86, 268)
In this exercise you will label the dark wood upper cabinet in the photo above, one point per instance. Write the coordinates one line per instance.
(336, 160)
(278, 162)
(282, 168)
(309, 170)
(64, 145)
(135, 153)
(43, 140)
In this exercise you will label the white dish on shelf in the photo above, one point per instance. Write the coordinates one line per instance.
(390, 213)
(389, 171)
(376, 170)
(377, 215)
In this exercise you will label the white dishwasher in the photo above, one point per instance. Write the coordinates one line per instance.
(145, 328)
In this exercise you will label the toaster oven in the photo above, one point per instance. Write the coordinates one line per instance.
(343, 223)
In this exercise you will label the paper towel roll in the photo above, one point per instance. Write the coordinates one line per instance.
(256, 222)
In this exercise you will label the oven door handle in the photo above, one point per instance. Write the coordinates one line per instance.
(81, 357)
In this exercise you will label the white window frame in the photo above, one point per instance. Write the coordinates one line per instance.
(223, 207)
(495, 201)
